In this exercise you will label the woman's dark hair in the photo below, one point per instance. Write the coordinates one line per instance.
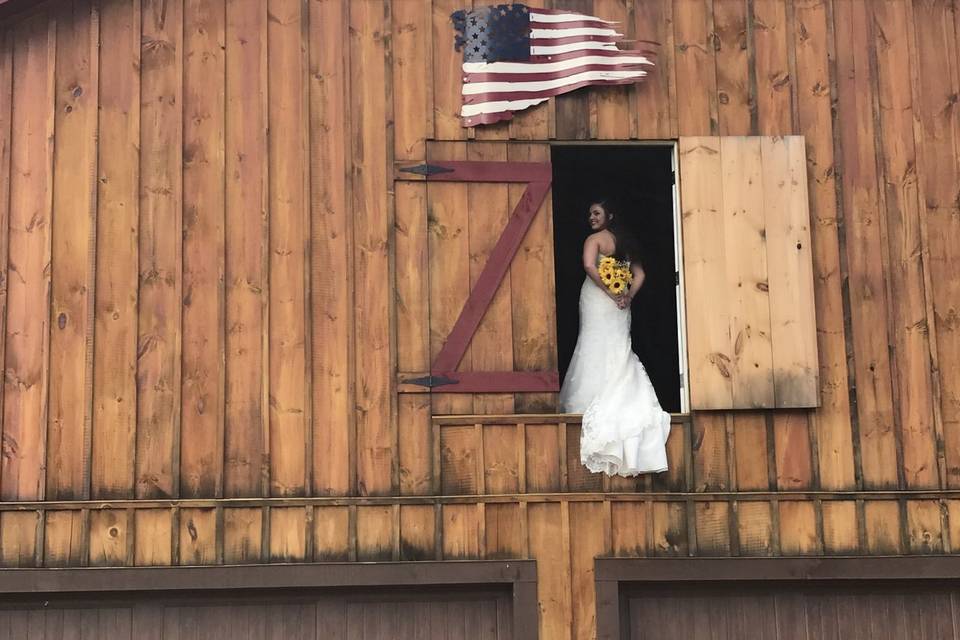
(627, 246)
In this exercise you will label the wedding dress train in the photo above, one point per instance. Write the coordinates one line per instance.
(624, 428)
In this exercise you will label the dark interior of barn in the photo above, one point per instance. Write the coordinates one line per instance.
(638, 180)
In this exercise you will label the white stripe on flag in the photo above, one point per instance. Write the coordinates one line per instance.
(469, 110)
(535, 16)
(569, 33)
(550, 67)
(470, 89)
(540, 50)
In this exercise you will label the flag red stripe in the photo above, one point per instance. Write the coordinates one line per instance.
(583, 53)
(480, 98)
(556, 42)
(539, 76)
(572, 24)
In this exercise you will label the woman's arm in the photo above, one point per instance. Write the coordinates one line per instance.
(638, 278)
(591, 249)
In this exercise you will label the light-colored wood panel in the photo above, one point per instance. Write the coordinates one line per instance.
(288, 530)
(905, 275)
(924, 527)
(629, 524)
(533, 307)
(488, 209)
(242, 535)
(589, 539)
(812, 44)
(331, 278)
(376, 533)
(652, 99)
(744, 234)
(198, 537)
(62, 539)
(203, 313)
(463, 531)
(153, 537)
(447, 72)
(798, 528)
(611, 104)
(711, 464)
(26, 371)
(506, 530)
(840, 531)
(416, 444)
(735, 99)
(412, 64)
(288, 232)
(6, 178)
(545, 459)
(790, 273)
(882, 527)
(459, 452)
(864, 250)
(74, 221)
(709, 345)
(418, 532)
(792, 455)
(331, 534)
(372, 219)
(160, 249)
(246, 428)
(553, 567)
(713, 528)
(115, 356)
(755, 528)
(501, 458)
(110, 538)
(413, 286)
(774, 99)
(751, 447)
(670, 536)
(696, 79)
(18, 538)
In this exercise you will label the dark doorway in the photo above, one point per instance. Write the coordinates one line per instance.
(639, 179)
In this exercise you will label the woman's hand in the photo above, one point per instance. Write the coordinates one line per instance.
(623, 300)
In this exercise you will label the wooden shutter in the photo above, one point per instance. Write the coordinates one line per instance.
(473, 238)
(748, 273)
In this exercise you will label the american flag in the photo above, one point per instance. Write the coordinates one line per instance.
(516, 56)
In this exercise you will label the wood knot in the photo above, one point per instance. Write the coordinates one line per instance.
(113, 531)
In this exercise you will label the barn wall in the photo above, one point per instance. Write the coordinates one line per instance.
(205, 249)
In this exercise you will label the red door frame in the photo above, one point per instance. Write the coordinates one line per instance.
(443, 371)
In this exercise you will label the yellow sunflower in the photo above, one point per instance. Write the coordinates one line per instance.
(616, 286)
(607, 277)
(607, 262)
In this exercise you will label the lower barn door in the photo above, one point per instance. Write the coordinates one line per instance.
(287, 614)
(790, 611)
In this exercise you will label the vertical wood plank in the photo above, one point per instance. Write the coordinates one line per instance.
(628, 529)
(774, 98)
(730, 41)
(288, 232)
(867, 293)
(461, 532)
(882, 526)
(246, 442)
(198, 537)
(6, 178)
(553, 569)
(586, 543)
(417, 532)
(447, 72)
(670, 529)
(416, 445)
(412, 65)
(74, 221)
(242, 535)
(115, 357)
(695, 68)
(790, 273)
(376, 438)
(487, 349)
(331, 534)
(924, 528)
(160, 249)
(840, 527)
(288, 527)
(747, 278)
(713, 528)
(710, 455)
(109, 537)
(331, 278)
(755, 528)
(533, 308)
(905, 275)
(505, 531)
(501, 459)
(153, 534)
(27, 336)
(937, 129)
(656, 110)
(812, 44)
(794, 460)
(615, 119)
(204, 313)
(573, 109)
(18, 538)
(62, 534)
(375, 533)
(750, 436)
(798, 528)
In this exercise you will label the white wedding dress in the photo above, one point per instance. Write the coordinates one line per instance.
(624, 428)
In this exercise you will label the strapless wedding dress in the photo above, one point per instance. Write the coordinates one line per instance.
(624, 428)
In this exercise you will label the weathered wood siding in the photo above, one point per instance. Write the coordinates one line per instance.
(212, 280)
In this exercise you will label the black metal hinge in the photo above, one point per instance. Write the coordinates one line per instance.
(431, 381)
(427, 169)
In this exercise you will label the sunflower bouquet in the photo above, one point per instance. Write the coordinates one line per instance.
(615, 274)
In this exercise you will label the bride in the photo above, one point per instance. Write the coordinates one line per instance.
(624, 428)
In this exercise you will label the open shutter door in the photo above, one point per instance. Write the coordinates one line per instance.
(490, 288)
(748, 271)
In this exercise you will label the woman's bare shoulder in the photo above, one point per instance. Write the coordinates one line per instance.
(599, 236)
